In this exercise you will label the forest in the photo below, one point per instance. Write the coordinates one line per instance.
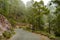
(34, 16)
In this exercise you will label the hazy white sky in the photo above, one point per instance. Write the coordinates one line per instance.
(45, 1)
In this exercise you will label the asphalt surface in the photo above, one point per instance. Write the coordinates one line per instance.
(25, 35)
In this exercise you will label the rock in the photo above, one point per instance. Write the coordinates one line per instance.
(4, 24)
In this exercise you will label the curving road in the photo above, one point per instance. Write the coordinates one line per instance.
(25, 35)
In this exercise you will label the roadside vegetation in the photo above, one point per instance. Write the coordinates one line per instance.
(6, 35)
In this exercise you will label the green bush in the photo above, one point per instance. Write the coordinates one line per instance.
(12, 21)
(52, 36)
(7, 34)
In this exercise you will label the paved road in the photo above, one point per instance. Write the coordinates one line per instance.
(25, 35)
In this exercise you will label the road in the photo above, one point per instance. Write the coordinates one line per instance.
(25, 35)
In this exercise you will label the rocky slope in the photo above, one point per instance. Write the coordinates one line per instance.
(4, 24)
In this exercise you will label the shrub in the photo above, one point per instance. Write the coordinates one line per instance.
(7, 34)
